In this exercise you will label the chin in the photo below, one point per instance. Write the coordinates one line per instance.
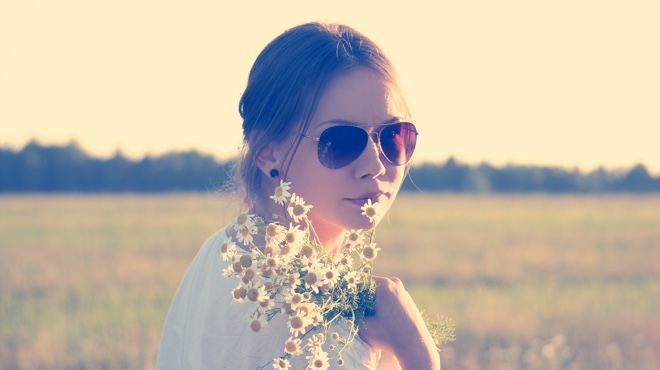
(363, 223)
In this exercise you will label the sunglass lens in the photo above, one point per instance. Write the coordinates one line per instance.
(398, 142)
(341, 145)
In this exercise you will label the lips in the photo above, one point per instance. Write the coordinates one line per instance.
(360, 200)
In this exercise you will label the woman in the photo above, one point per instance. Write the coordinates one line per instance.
(324, 112)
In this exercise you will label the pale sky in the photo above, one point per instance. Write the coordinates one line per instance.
(567, 83)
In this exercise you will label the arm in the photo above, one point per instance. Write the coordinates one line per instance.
(398, 328)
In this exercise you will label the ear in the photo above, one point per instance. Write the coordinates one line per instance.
(270, 157)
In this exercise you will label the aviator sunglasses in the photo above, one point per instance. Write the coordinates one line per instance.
(339, 146)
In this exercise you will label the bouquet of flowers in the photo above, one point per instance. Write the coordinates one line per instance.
(291, 274)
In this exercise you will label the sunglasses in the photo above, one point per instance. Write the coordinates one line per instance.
(339, 146)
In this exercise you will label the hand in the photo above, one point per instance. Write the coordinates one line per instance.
(397, 327)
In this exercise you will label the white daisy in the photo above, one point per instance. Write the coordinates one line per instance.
(281, 363)
(369, 252)
(307, 253)
(257, 321)
(293, 280)
(295, 300)
(315, 342)
(228, 272)
(244, 235)
(294, 238)
(256, 292)
(343, 262)
(297, 324)
(266, 305)
(313, 279)
(281, 193)
(243, 220)
(318, 361)
(372, 210)
(293, 346)
(238, 294)
(297, 208)
(275, 233)
(352, 279)
(331, 276)
(354, 239)
(228, 250)
(312, 311)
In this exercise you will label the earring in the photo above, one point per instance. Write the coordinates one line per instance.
(274, 173)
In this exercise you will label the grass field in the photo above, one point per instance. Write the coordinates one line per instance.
(533, 282)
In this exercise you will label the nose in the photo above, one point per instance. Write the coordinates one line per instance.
(375, 137)
(371, 159)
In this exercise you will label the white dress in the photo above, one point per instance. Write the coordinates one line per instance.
(205, 330)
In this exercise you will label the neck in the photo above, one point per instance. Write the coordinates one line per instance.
(330, 236)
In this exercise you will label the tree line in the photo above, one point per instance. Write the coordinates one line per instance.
(67, 168)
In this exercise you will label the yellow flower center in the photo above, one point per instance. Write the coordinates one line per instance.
(268, 251)
(237, 267)
(306, 251)
(239, 293)
(370, 212)
(241, 219)
(291, 347)
(297, 322)
(298, 210)
(290, 238)
(278, 192)
(255, 325)
(246, 260)
(318, 363)
(296, 299)
(329, 275)
(224, 248)
(271, 262)
(253, 294)
(368, 252)
(292, 279)
(353, 237)
(311, 278)
(285, 249)
(271, 230)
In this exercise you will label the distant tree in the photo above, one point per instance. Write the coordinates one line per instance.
(39, 168)
(638, 180)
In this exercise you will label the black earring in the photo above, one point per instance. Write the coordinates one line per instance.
(274, 173)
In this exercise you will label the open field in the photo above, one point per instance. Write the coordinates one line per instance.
(533, 282)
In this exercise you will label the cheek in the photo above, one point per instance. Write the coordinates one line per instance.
(397, 177)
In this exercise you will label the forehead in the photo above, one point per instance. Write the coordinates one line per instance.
(361, 96)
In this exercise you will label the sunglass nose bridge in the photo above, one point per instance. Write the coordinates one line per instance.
(375, 138)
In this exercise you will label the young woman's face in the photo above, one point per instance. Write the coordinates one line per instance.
(363, 98)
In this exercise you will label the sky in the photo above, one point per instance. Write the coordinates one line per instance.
(558, 83)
